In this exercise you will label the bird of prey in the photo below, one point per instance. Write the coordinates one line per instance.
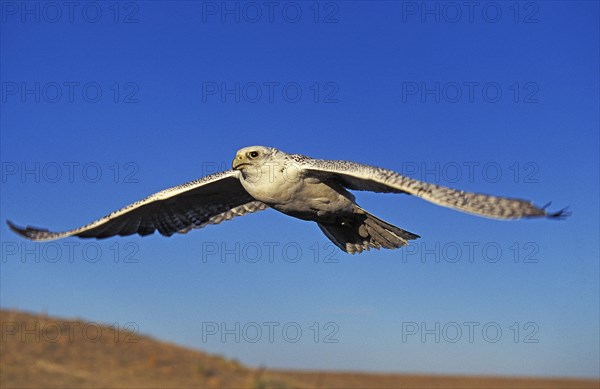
(298, 186)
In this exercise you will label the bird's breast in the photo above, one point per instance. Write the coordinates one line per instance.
(303, 197)
(267, 185)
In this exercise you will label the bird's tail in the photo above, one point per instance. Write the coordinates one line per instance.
(361, 231)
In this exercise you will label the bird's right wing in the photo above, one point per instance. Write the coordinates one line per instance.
(208, 200)
(357, 176)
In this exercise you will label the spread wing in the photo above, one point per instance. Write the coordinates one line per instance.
(208, 200)
(363, 177)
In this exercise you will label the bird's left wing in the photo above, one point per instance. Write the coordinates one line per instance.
(208, 200)
(356, 176)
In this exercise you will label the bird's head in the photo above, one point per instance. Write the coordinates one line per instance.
(252, 157)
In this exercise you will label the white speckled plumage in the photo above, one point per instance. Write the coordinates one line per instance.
(299, 186)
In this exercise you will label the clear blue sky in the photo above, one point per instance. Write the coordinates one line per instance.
(102, 109)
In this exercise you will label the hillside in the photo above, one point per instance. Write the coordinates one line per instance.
(40, 351)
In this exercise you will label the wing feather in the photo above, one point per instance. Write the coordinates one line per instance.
(357, 176)
(208, 200)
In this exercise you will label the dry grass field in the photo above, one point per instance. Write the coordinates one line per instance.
(38, 351)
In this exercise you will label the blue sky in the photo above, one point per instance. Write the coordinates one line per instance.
(109, 102)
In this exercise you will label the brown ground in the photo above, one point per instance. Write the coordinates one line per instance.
(69, 360)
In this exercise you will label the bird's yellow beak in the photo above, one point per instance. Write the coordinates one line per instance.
(239, 161)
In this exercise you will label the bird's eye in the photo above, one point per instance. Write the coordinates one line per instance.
(253, 154)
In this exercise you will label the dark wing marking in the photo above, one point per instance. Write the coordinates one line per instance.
(208, 200)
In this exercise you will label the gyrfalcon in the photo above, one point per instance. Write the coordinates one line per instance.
(299, 186)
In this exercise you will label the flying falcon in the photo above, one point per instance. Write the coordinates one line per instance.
(298, 186)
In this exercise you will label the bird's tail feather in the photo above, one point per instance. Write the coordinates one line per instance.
(362, 231)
